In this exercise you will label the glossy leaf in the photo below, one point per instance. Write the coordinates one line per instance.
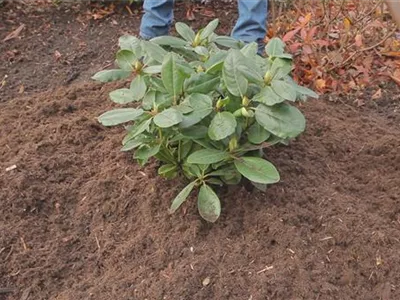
(257, 134)
(234, 80)
(138, 87)
(202, 107)
(169, 41)
(126, 59)
(111, 75)
(282, 120)
(284, 90)
(185, 31)
(119, 116)
(222, 126)
(268, 97)
(122, 96)
(168, 118)
(208, 204)
(181, 197)
(201, 83)
(171, 76)
(257, 170)
(208, 156)
(209, 29)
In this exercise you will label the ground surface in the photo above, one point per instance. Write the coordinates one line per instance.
(80, 220)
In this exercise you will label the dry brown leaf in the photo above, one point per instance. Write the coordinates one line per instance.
(14, 34)
(377, 95)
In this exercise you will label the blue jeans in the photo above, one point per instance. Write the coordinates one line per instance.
(250, 27)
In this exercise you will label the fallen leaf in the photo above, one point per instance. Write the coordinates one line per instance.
(57, 55)
(320, 84)
(14, 33)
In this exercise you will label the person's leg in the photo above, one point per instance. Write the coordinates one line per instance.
(251, 25)
(157, 18)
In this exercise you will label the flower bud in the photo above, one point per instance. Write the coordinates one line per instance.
(267, 77)
(245, 101)
(200, 69)
(233, 143)
(245, 113)
(197, 40)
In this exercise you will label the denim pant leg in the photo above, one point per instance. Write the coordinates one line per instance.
(251, 25)
(157, 18)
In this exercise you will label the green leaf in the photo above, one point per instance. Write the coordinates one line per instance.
(157, 84)
(169, 41)
(257, 170)
(282, 120)
(208, 204)
(201, 83)
(281, 68)
(306, 91)
(111, 75)
(131, 43)
(215, 181)
(168, 171)
(235, 81)
(250, 50)
(185, 148)
(119, 116)
(126, 59)
(260, 186)
(171, 76)
(257, 134)
(275, 47)
(195, 132)
(122, 96)
(145, 152)
(208, 156)
(284, 90)
(222, 126)
(268, 97)
(138, 87)
(202, 107)
(168, 118)
(153, 69)
(228, 42)
(136, 130)
(202, 51)
(134, 143)
(209, 29)
(182, 196)
(185, 31)
(154, 51)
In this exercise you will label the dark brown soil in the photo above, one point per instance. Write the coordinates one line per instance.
(80, 220)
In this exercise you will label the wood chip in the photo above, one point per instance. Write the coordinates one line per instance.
(206, 281)
(13, 167)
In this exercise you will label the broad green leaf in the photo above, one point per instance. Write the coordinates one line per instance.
(138, 87)
(136, 130)
(257, 170)
(216, 58)
(185, 148)
(202, 51)
(184, 107)
(268, 97)
(168, 118)
(122, 96)
(235, 81)
(168, 171)
(215, 181)
(202, 107)
(208, 204)
(201, 83)
(152, 69)
(250, 50)
(169, 41)
(172, 76)
(222, 126)
(134, 143)
(111, 75)
(209, 29)
(119, 116)
(157, 84)
(185, 31)
(195, 132)
(126, 59)
(232, 180)
(145, 152)
(282, 120)
(257, 134)
(280, 68)
(132, 43)
(226, 171)
(154, 51)
(228, 42)
(284, 90)
(306, 91)
(154, 99)
(275, 47)
(208, 156)
(182, 196)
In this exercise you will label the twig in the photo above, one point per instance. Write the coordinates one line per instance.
(363, 50)
(9, 253)
(265, 269)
